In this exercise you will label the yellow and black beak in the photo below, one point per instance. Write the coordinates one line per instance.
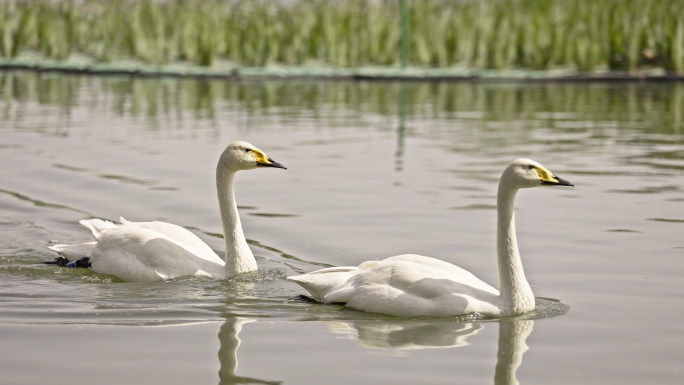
(557, 181)
(263, 160)
(548, 179)
(271, 163)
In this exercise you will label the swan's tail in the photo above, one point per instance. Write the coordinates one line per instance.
(74, 252)
(320, 283)
(72, 255)
(97, 226)
(79, 255)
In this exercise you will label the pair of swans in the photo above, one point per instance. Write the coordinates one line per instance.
(405, 285)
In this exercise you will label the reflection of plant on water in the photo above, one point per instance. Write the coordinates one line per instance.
(575, 116)
(572, 107)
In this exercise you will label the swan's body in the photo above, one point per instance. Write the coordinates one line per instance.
(149, 251)
(413, 285)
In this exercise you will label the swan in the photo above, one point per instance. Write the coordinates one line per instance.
(153, 251)
(413, 285)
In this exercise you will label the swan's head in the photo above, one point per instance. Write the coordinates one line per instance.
(523, 173)
(244, 156)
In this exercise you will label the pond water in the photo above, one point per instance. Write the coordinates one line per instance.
(374, 170)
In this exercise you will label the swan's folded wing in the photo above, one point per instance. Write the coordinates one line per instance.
(405, 287)
(141, 254)
(180, 235)
(127, 265)
(453, 272)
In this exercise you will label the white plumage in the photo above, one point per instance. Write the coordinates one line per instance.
(413, 285)
(149, 251)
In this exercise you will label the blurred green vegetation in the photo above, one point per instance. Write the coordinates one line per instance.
(483, 34)
(651, 108)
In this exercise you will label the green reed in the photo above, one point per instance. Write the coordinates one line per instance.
(482, 34)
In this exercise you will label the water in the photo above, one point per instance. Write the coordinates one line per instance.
(374, 170)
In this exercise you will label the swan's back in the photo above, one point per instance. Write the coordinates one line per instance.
(405, 285)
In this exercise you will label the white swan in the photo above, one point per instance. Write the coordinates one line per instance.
(413, 285)
(152, 251)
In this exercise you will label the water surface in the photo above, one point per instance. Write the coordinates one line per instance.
(374, 170)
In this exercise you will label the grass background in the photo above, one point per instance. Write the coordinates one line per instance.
(583, 35)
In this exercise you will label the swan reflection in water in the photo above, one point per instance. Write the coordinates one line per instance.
(404, 335)
(396, 335)
(512, 337)
(229, 340)
(412, 334)
(407, 335)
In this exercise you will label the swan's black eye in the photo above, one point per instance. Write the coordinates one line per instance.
(248, 150)
(531, 167)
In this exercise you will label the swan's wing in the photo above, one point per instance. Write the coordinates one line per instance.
(141, 254)
(405, 285)
(126, 265)
(180, 235)
(408, 288)
(454, 272)
(338, 269)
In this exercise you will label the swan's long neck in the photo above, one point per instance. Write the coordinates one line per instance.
(515, 292)
(239, 258)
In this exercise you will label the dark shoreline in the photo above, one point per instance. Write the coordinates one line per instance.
(357, 74)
